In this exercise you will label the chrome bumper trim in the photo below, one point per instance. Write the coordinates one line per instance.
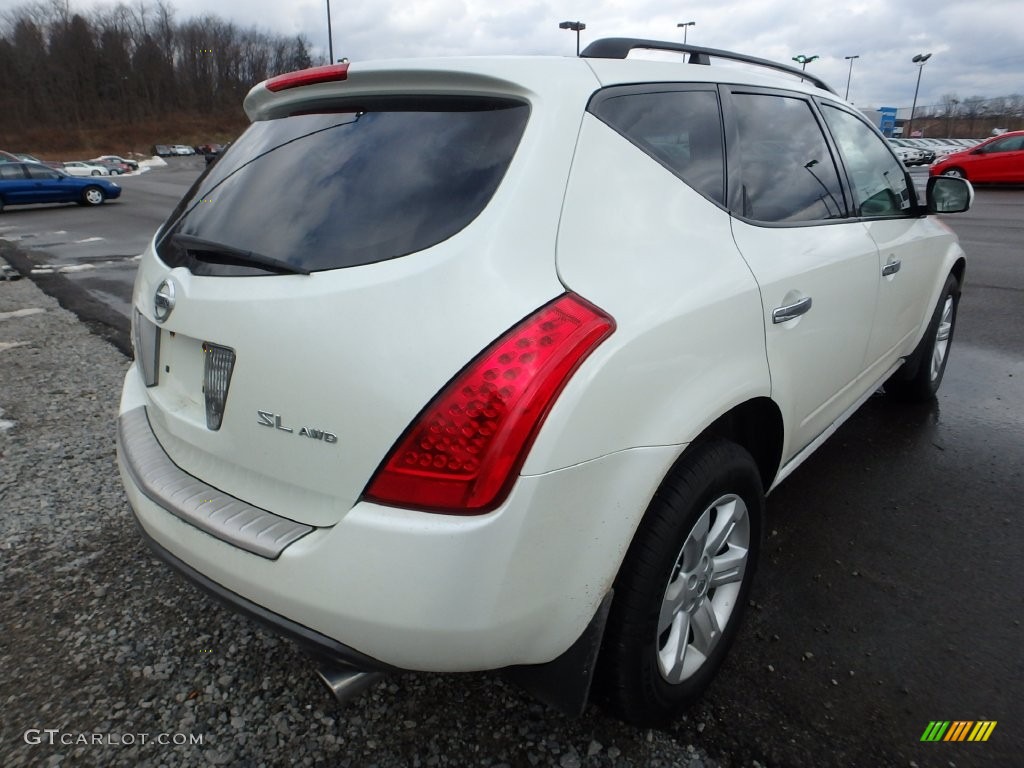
(217, 513)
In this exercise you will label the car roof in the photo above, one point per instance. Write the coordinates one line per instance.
(531, 77)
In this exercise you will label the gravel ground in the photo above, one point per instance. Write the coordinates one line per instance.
(108, 658)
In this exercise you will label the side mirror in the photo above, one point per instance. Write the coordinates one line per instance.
(948, 194)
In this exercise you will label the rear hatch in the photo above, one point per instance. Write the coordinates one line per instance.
(342, 262)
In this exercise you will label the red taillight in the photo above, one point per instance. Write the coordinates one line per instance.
(326, 74)
(464, 450)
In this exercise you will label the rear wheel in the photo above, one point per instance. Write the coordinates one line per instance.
(92, 196)
(682, 587)
(927, 365)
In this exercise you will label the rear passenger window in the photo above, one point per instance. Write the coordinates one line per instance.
(11, 171)
(680, 129)
(787, 173)
(879, 180)
(35, 172)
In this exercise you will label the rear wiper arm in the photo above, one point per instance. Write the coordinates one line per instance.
(192, 243)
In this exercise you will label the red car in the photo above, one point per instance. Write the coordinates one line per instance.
(996, 160)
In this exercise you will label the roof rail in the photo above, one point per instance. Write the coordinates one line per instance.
(619, 48)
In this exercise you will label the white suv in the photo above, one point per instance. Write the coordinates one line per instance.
(489, 363)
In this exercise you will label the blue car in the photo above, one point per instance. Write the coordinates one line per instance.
(30, 183)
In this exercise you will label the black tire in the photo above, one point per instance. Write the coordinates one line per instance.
(96, 173)
(921, 375)
(715, 479)
(92, 195)
(957, 173)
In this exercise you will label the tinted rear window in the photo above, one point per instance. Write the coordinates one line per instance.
(359, 184)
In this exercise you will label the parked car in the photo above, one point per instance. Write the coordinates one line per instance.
(115, 167)
(999, 160)
(8, 157)
(132, 164)
(182, 149)
(497, 372)
(31, 183)
(215, 151)
(919, 155)
(79, 168)
(162, 150)
(927, 150)
(908, 155)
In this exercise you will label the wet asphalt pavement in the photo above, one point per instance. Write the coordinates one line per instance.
(891, 591)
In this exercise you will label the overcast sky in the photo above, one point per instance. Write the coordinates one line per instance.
(978, 48)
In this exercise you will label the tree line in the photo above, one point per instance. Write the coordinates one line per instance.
(60, 67)
(970, 117)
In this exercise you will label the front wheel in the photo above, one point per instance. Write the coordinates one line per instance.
(927, 365)
(93, 196)
(956, 173)
(680, 593)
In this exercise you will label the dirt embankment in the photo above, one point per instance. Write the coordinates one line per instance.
(122, 137)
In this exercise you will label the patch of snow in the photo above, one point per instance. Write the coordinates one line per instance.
(21, 313)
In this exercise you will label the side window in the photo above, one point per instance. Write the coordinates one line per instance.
(680, 129)
(787, 173)
(879, 179)
(35, 172)
(1011, 144)
(11, 171)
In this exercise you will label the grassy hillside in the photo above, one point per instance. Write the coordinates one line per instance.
(122, 138)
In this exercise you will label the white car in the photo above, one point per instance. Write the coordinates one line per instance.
(489, 363)
(182, 149)
(907, 155)
(79, 168)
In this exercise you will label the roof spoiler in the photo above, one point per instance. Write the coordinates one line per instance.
(619, 48)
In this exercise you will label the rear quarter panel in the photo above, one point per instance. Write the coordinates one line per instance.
(659, 257)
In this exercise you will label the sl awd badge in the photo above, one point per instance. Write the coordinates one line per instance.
(274, 421)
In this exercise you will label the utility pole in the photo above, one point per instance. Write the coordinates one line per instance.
(920, 60)
(330, 37)
(686, 26)
(577, 27)
(849, 75)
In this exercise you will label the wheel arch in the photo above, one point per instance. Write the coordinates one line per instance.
(959, 271)
(756, 426)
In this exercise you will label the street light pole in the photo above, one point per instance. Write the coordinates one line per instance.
(330, 37)
(920, 60)
(577, 27)
(686, 26)
(804, 60)
(849, 75)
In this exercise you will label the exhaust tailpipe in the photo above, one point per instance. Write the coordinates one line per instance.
(345, 683)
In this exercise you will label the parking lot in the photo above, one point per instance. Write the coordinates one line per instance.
(890, 594)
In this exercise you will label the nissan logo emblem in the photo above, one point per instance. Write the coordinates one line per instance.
(163, 301)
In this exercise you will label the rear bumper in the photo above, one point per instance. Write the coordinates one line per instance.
(314, 643)
(387, 587)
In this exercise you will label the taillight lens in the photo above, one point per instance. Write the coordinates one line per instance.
(463, 452)
(328, 73)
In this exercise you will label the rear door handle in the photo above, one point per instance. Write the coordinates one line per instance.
(791, 311)
(891, 268)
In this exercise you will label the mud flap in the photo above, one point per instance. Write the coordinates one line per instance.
(564, 683)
